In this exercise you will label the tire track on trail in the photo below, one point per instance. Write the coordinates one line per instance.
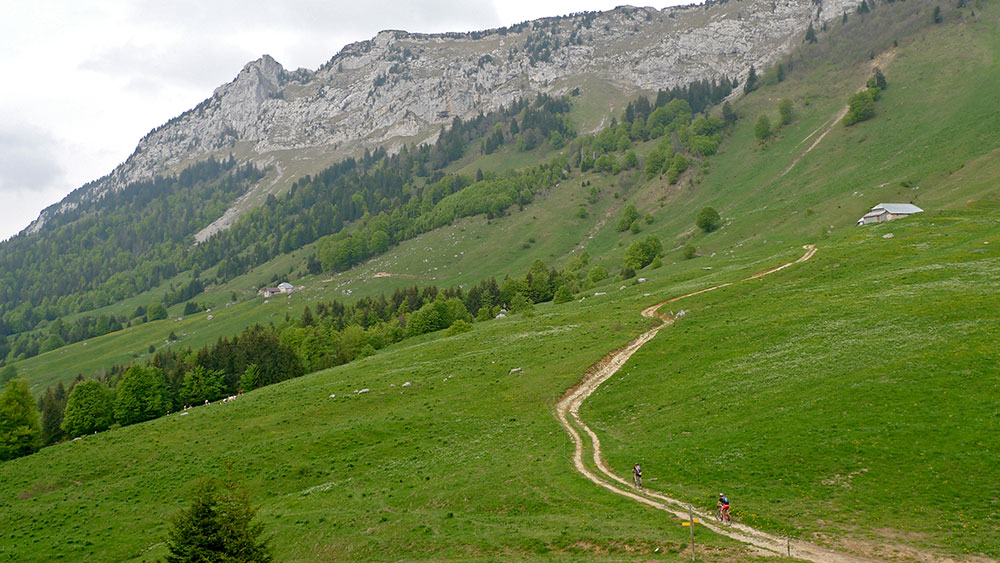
(568, 413)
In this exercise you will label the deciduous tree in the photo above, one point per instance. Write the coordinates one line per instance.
(140, 395)
(89, 408)
(20, 430)
(708, 219)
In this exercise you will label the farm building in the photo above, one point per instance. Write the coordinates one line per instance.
(887, 212)
(283, 287)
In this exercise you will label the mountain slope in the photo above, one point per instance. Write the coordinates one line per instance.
(848, 401)
(400, 86)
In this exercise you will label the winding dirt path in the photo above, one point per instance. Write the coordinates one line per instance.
(568, 413)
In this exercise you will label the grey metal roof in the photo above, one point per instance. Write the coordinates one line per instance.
(898, 208)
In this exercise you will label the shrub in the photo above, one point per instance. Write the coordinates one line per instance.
(861, 106)
(762, 130)
(598, 273)
(563, 295)
(629, 215)
(688, 252)
(785, 111)
(708, 219)
(156, 312)
(140, 395)
(640, 254)
(458, 327)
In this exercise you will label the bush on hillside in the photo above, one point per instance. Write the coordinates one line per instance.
(140, 395)
(785, 111)
(563, 295)
(762, 130)
(708, 219)
(642, 253)
(861, 106)
(629, 215)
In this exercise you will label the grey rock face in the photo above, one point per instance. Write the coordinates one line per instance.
(400, 87)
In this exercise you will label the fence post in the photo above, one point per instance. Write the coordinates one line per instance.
(691, 525)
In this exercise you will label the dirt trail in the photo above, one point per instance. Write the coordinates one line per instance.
(836, 120)
(568, 409)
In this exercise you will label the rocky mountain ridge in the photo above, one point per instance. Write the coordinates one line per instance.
(403, 87)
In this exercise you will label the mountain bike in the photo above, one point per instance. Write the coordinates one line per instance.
(723, 516)
(637, 480)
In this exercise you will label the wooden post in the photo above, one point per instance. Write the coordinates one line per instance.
(691, 522)
(788, 544)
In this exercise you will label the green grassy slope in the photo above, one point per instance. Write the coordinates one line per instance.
(852, 395)
(850, 398)
(465, 461)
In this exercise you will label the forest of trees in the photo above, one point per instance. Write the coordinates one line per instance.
(355, 209)
(335, 333)
(131, 241)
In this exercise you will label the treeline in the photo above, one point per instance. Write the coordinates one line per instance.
(336, 333)
(353, 192)
(357, 208)
(435, 205)
(131, 241)
(120, 245)
(671, 118)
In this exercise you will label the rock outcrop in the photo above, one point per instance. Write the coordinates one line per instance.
(402, 87)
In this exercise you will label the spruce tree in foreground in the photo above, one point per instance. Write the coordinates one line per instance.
(218, 527)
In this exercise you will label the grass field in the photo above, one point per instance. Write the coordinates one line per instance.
(849, 400)
(466, 461)
(852, 396)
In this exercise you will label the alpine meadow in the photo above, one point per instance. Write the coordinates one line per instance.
(436, 299)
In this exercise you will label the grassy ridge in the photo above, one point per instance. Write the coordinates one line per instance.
(853, 394)
(465, 461)
(824, 399)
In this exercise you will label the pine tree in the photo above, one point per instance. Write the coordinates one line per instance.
(242, 535)
(20, 431)
(810, 34)
(195, 534)
(751, 84)
(218, 527)
(52, 405)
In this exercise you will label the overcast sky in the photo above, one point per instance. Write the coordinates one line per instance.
(84, 80)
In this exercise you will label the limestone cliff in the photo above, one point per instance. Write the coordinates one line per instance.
(402, 87)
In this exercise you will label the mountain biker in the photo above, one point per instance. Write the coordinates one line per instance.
(724, 507)
(637, 475)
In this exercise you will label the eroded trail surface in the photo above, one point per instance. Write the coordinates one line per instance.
(567, 410)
